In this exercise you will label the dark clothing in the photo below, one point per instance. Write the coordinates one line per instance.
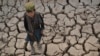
(34, 25)
(37, 35)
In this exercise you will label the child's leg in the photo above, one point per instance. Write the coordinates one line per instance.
(32, 48)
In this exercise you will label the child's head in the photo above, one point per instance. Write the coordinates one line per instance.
(29, 6)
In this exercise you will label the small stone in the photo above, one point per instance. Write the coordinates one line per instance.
(20, 43)
(69, 8)
(12, 22)
(87, 29)
(96, 27)
(71, 40)
(22, 35)
(21, 26)
(52, 49)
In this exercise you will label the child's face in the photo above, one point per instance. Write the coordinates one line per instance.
(31, 14)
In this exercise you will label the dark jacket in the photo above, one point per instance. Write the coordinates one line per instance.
(34, 25)
(37, 22)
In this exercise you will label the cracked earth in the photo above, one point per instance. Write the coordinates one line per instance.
(72, 27)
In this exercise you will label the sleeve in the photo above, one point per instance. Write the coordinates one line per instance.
(25, 23)
(42, 22)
